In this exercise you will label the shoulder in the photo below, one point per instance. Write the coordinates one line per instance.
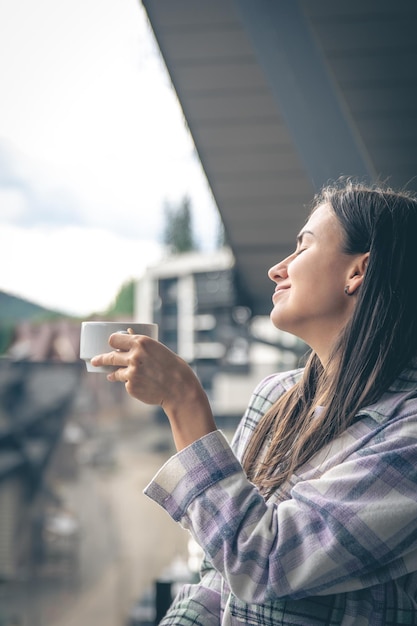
(272, 387)
(265, 394)
(399, 401)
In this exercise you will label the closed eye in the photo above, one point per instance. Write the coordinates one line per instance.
(298, 252)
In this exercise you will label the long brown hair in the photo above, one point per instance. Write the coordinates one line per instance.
(374, 347)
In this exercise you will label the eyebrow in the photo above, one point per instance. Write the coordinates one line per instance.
(302, 233)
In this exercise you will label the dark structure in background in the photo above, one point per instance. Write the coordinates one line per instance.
(35, 399)
(283, 96)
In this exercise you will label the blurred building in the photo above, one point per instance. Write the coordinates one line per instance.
(43, 383)
(35, 399)
(196, 300)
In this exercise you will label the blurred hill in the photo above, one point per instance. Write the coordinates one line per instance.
(14, 309)
(22, 319)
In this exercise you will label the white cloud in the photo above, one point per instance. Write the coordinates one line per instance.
(73, 270)
(96, 138)
(12, 204)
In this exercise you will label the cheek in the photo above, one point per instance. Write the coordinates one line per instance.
(302, 270)
(316, 279)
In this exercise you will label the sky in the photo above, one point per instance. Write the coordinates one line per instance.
(93, 146)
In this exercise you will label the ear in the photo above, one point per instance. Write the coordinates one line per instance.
(357, 272)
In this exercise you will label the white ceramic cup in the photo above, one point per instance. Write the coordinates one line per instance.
(95, 339)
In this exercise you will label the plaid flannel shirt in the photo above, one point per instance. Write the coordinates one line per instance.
(336, 545)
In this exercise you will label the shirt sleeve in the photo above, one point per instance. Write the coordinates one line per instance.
(198, 604)
(350, 527)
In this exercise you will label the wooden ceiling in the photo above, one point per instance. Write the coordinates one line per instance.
(283, 97)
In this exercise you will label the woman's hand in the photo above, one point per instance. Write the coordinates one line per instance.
(155, 375)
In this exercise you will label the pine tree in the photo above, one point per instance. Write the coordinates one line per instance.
(178, 232)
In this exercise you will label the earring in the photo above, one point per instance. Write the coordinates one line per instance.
(347, 292)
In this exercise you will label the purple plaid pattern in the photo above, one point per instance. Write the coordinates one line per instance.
(336, 545)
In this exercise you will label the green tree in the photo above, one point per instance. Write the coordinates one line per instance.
(123, 303)
(178, 231)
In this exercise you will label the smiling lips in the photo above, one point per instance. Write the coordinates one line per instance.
(279, 289)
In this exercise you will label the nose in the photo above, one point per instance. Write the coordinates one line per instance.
(279, 271)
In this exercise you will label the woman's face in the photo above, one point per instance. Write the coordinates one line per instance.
(309, 299)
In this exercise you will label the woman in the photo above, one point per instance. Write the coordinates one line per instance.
(310, 517)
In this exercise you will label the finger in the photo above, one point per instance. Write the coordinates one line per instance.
(114, 358)
(97, 360)
(119, 375)
(121, 341)
(125, 341)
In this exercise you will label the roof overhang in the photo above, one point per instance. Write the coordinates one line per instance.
(283, 97)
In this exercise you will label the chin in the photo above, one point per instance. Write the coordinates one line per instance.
(281, 322)
(278, 321)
